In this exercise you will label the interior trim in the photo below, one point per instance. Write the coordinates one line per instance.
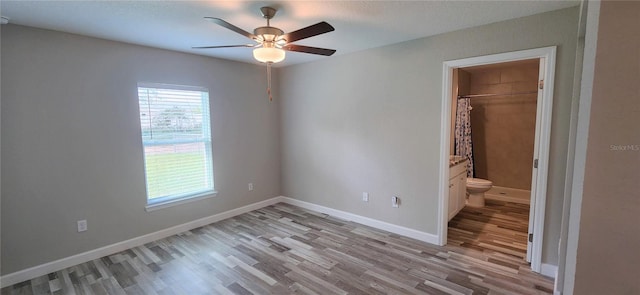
(396, 229)
(549, 270)
(541, 149)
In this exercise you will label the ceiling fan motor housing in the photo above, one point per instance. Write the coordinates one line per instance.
(268, 34)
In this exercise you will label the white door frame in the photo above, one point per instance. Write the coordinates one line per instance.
(541, 148)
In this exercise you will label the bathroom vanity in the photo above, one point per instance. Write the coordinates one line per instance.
(457, 185)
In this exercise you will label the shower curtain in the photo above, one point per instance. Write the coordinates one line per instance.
(463, 144)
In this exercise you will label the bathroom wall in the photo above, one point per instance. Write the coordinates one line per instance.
(461, 86)
(503, 127)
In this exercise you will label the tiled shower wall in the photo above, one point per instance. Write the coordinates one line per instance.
(503, 127)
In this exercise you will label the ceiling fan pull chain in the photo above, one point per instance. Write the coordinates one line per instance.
(269, 81)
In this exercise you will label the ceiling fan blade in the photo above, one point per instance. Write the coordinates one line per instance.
(308, 49)
(224, 46)
(310, 31)
(231, 27)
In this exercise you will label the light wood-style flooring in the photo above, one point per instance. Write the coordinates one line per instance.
(498, 227)
(283, 249)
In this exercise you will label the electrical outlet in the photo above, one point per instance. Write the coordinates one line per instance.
(250, 186)
(82, 225)
(365, 197)
(395, 202)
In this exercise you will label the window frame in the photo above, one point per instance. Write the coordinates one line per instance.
(177, 199)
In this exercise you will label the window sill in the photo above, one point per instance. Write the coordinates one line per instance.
(180, 201)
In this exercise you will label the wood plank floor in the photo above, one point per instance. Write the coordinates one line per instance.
(498, 227)
(283, 249)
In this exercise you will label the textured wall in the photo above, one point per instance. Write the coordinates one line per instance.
(370, 121)
(71, 145)
(607, 258)
(503, 127)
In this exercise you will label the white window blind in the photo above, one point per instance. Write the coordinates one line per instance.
(176, 136)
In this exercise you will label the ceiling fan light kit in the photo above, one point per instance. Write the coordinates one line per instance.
(272, 42)
(269, 54)
(271, 51)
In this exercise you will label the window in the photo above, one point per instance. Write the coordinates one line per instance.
(176, 137)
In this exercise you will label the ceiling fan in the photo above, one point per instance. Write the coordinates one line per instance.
(271, 42)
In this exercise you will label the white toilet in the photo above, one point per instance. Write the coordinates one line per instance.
(476, 188)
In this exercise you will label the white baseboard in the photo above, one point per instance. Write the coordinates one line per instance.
(53, 266)
(549, 270)
(396, 229)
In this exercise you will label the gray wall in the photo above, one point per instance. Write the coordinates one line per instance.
(71, 146)
(370, 121)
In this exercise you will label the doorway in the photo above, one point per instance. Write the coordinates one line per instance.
(545, 57)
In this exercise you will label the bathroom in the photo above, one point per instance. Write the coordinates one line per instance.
(501, 100)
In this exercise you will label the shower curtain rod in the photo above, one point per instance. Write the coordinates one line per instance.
(495, 94)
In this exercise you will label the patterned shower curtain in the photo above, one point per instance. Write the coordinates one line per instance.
(464, 146)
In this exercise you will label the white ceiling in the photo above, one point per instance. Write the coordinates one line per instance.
(179, 25)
